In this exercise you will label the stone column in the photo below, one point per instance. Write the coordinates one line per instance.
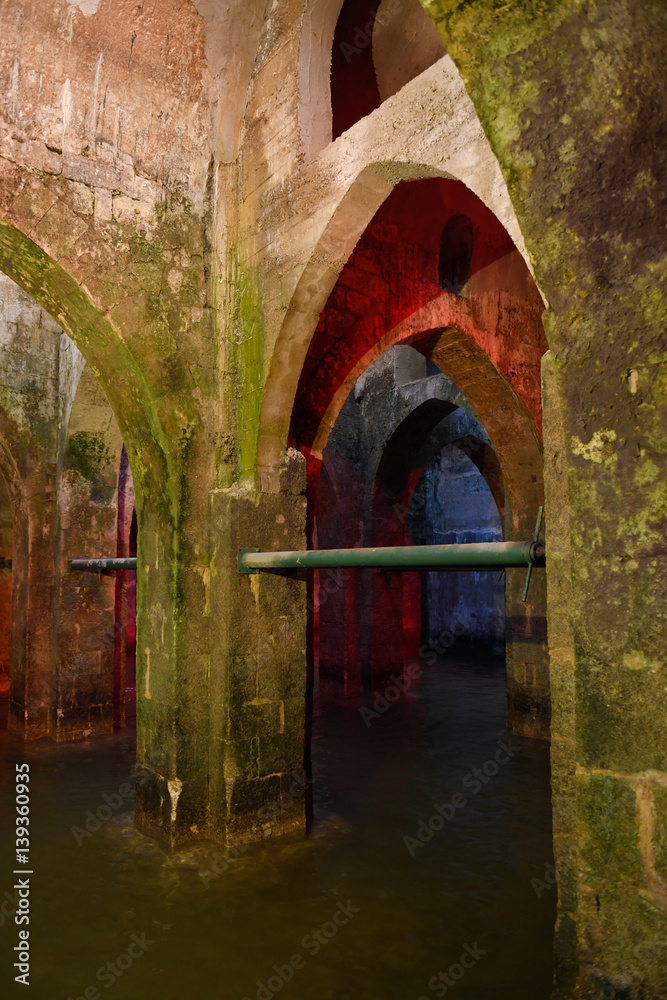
(221, 668)
(176, 624)
(586, 174)
(85, 621)
(6, 553)
(526, 647)
(608, 756)
(562, 676)
(258, 666)
(31, 692)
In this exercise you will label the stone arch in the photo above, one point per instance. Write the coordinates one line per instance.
(519, 452)
(399, 458)
(349, 220)
(503, 415)
(504, 393)
(126, 279)
(457, 353)
(514, 475)
(59, 426)
(377, 494)
(101, 344)
(100, 281)
(386, 27)
(52, 677)
(452, 503)
(314, 69)
(486, 461)
(483, 457)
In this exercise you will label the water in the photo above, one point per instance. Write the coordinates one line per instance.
(401, 919)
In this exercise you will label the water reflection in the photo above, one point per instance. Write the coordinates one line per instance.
(353, 911)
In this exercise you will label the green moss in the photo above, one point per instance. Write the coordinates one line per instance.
(617, 725)
(247, 366)
(87, 455)
(609, 826)
(633, 930)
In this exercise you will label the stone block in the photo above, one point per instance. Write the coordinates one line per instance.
(281, 669)
(103, 204)
(609, 828)
(241, 757)
(96, 631)
(250, 806)
(618, 727)
(630, 931)
(84, 663)
(260, 717)
(243, 680)
(283, 752)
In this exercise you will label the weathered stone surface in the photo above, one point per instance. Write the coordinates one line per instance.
(169, 196)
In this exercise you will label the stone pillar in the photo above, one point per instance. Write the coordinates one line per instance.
(175, 625)
(387, 526)
(85, 622)
(31, 692)
(338, 590)
(526, 650)
(608, 762)
(339, 658)
(221, 670)
(593, 221)
(258, 666)
(562, 678)
(526, 645)
(6, 553)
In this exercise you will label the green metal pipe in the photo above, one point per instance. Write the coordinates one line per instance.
(469, 556)
(96, 565)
